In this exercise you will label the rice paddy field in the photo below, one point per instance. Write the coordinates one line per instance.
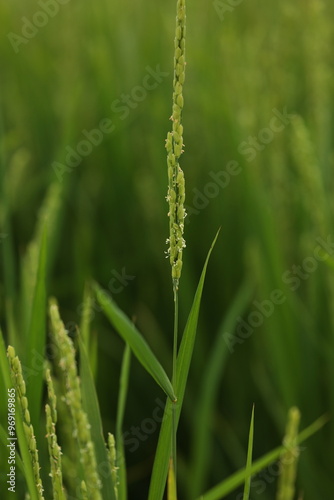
(85, 100)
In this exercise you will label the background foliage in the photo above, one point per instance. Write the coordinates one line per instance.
(108, 215)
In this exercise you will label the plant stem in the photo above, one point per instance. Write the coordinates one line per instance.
(176, 321)
(175, 344)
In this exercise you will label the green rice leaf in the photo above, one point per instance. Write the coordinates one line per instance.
(37, 337)
(88, 337)
(160, 467)
(86, 314)
(235, 480)
(4, 365)
(91, 407)
(7, 244)
(120, 452)
(136, 341)
(249, 459)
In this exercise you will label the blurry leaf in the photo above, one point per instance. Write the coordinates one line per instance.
(4, 365)
(48, 220)
(136, 341)
(236, 479)
(86, 312)
(7, 237)
(91, 407)
(90, 340)
(120, 452)
(249, 459)
(37, 336)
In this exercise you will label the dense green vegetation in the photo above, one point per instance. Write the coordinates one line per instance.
(84, 107)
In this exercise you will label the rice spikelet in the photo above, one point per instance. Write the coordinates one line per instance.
(174, 146)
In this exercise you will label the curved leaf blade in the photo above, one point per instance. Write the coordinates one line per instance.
(120, 449)
(91, 406)
(160, 467)
(37, 335)
(249, 459)
(136, 341)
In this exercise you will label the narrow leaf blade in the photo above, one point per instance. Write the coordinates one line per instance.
(235, 480)
(91, 407)
(249, 459)
(37, 336)
(160, 467)
(136, 341)
(120, 451)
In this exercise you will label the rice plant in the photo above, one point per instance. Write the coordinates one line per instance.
(101, 404)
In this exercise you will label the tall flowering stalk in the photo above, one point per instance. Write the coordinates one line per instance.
(174, 146)
(20, 386)
(53, 446)
(176, 197)
(81, 428)
(289, 459)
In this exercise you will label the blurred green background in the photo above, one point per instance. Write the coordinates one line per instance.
(107, 216)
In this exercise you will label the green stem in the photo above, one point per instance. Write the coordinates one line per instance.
(175, 344)
(176, 322)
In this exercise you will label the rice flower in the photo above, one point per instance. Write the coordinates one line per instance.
(289, 459)
(19, 383)
(113, 461)
(174, 146)
(73, 398)
(53, 446)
